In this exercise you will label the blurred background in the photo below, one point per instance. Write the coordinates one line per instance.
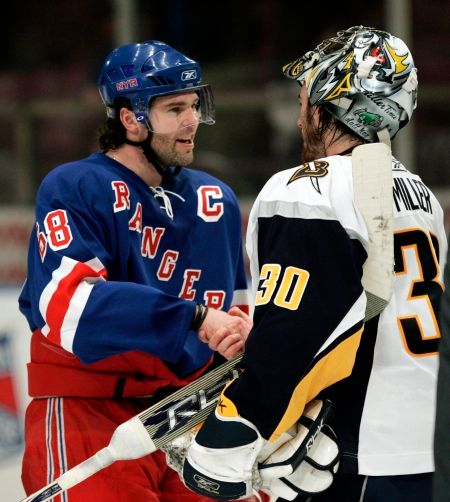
(50, 111)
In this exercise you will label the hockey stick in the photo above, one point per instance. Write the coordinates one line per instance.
(158, 425)
(372, 186)
(152, 429)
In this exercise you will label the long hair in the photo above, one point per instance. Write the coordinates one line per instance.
(112, 134)
(328, 122)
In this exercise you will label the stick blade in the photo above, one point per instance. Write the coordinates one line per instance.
(372, 185)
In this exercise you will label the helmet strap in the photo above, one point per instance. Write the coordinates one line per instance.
(384, 137)
(150, 155)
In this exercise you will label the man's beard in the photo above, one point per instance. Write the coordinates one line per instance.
(165, 151)
(312, 151)
(175, 158)
(313, 147)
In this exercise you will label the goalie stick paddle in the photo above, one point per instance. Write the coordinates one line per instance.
(158, 425)
(372, 187)
(152, 429)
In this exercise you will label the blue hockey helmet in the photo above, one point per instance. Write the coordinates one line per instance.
(143, 71)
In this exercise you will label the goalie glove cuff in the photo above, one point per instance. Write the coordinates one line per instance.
(219, 463)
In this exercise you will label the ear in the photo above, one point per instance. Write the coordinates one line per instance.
(128, 118)
(134, 129)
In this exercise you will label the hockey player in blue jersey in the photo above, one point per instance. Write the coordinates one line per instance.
(134, 262)
(307, 243)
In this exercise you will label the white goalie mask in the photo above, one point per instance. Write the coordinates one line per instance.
(365, 77)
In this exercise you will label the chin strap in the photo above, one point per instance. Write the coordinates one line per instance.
(152, 158)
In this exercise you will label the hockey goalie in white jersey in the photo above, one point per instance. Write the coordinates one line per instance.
(308, 242)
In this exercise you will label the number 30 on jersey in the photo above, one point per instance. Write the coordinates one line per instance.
(286, 287)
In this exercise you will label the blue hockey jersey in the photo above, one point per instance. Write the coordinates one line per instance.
(115, 267)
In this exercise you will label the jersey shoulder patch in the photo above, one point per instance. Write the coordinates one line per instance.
(314, 169)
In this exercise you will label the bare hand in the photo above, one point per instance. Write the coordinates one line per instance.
(240, 313)
(224, 332)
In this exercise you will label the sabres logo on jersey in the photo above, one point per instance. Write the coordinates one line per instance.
(315, 169)
(311, 170)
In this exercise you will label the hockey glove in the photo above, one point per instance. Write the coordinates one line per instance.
(220, 461)
(305, 464)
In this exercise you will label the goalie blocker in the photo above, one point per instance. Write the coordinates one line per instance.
(302, 461)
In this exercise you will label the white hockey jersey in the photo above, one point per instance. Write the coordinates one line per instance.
(307, 243)
(397, 421)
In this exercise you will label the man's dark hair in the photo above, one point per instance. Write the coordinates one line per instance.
(327, 121)
(112, 134)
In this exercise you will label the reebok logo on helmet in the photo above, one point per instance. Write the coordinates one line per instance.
(188, 75)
